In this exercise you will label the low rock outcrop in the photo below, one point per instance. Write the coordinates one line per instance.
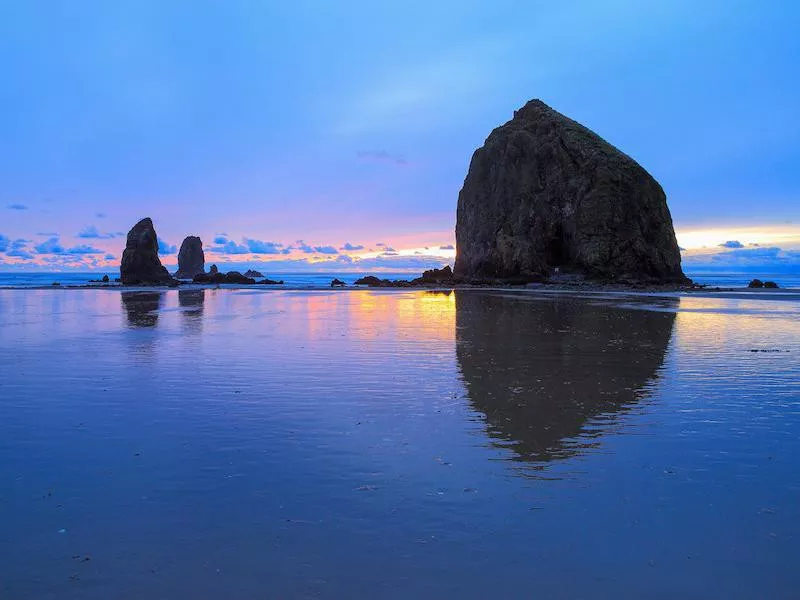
(444, 275)
(338, 283)
(545, 194)
(191, 258)
(140, 263)
(253, 273)
(231, 277)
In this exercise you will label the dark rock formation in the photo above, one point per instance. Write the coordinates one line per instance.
(270, 282)
(545, 192)
(756, 283)
(432, 277)
(213, 270)
(231, 277)
(436, 275)
(771, 285)
(370, 280)
(191, 259)
(253, 273)
(140, 263)
(338, 283)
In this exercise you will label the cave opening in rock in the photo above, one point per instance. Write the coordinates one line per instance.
(556, 249)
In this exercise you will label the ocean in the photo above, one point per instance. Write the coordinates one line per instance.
(308, 280)
(254, 443)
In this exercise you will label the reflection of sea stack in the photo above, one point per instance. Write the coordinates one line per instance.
(191, 301)
(142, 308)
(191, 259)
(545, 192)
(140, 263)
(540, 369)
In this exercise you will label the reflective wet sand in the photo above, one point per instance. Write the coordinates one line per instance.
(251, 444)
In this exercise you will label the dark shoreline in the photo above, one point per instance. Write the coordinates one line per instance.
(583, 289)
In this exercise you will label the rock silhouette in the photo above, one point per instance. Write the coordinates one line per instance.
(545, 194)
(191, 258)
(233, 277)
(140, 262)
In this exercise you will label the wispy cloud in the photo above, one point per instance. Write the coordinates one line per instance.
(100, 215)
(732, 244)
(248, 246)
(20, 253)
(166, 247)
(382, 156)
(17, 207)
(348, 247)
(54, 246)
(91, 232)
(447, 247)
(4, 242)
(261, 247)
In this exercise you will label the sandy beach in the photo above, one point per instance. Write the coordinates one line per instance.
(293, 443)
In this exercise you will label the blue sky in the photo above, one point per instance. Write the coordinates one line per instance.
(333, 125)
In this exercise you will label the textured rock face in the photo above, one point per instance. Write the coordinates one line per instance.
(140, 263)
(191, 259)
(545, 192)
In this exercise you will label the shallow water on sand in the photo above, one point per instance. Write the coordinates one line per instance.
(393, 444)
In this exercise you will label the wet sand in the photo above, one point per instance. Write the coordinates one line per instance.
(393, 443)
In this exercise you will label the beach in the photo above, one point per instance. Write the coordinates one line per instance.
(474, 443)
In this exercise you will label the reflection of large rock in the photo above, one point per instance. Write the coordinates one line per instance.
(142, 308)
(191, 258)
(546, 192)
(540, 370)
(140, 263)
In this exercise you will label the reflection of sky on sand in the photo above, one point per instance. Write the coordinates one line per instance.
(403, 442)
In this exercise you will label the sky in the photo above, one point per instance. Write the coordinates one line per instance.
(336, 134)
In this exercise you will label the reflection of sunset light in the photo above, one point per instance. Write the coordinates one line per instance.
(431, 314)
(725, 325)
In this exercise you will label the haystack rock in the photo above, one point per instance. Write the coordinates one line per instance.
(546, 195)
(191, 259)
(140, 263)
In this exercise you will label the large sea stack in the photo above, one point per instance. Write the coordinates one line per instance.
(546, 195)
(140, 263)
(191, 258)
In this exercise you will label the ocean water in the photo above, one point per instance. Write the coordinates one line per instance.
(393, 444)
(323, 280)
(291, 280)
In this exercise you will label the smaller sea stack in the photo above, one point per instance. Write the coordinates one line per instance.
(191, 259)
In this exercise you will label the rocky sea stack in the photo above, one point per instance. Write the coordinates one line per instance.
(140, 264)
(191, 258)
(546, 195)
